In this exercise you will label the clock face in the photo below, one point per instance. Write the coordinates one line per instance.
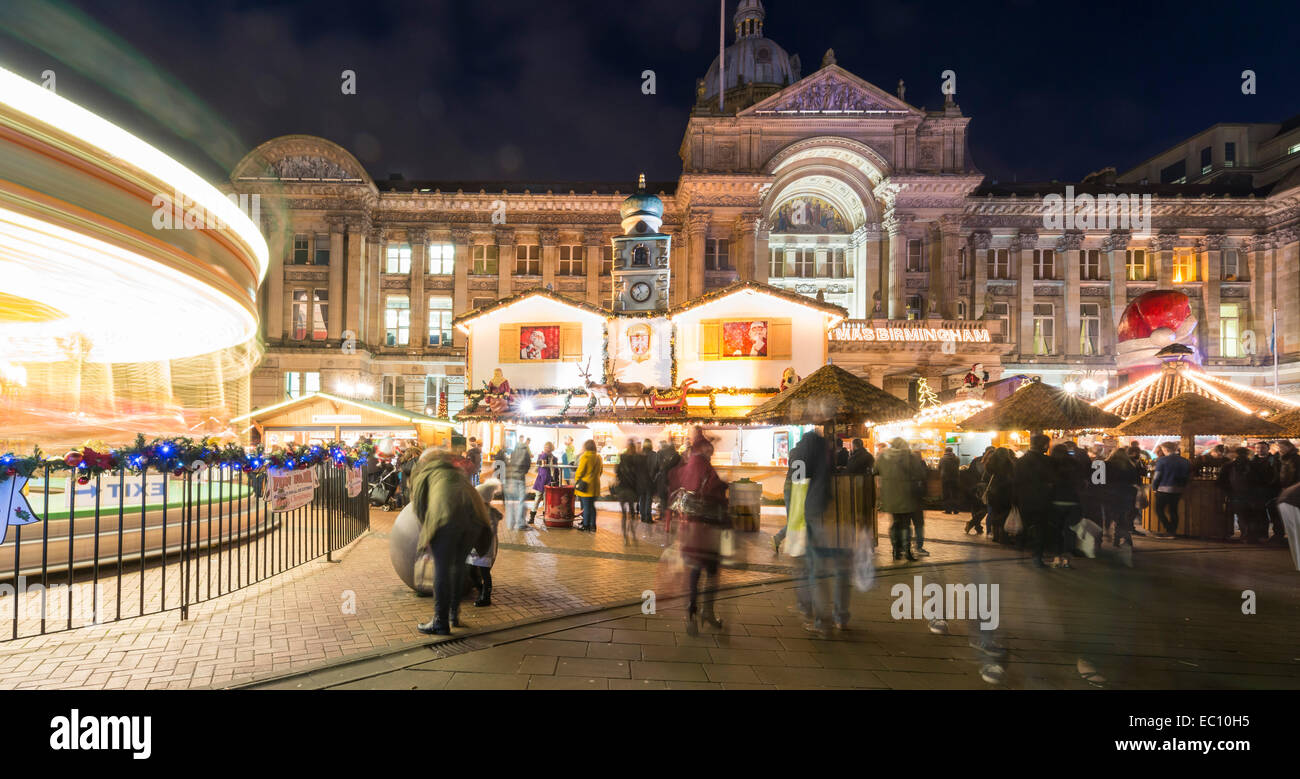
(640, 292)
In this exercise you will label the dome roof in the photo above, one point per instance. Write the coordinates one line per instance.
(752, 59)
(641, 207)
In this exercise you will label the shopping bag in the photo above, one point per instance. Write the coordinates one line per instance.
(670, 575)
(1089, 535)
(423, 575)
(796, 527)
(864, 563)
(1291, 523)
(727, 546)
(1014, 525)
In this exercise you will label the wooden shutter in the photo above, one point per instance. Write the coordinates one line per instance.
(508, 344)
(710, 339)
(778, 337)
(570, 342)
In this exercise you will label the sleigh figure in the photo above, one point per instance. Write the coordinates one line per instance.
(672, 403)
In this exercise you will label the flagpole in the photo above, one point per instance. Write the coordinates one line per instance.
(722, 51)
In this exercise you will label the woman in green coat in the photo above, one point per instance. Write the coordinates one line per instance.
(899, 472)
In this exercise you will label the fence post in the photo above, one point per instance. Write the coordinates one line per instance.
(331, 506)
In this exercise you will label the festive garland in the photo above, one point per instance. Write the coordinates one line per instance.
(713, 402)
(178, 455)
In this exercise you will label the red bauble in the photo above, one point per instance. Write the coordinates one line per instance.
(83, 480)
(11, 471)
(73, 459)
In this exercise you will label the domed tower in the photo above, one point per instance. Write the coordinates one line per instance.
(641, 255)
(754, 67)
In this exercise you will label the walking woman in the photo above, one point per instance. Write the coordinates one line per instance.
(627, 483)
(1123, 479)
(999, 491)
(899, 472)
(547, 474)
(587, 484)
(1066, 502)
(704, 496)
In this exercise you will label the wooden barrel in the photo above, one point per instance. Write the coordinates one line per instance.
(852, 510)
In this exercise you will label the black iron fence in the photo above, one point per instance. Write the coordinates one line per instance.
(124, 546)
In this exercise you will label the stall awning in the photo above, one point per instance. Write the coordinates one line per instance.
(320, 408)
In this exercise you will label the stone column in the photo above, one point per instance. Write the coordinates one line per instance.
(979, 247)
(1210, 254)
(945, 294)
(876, 375)
(505, 237)
(1068, 247)
(697, 227)
(762, 252)
(1261, 289)
(419, 240)
(595, 242)
(549, 238)
(356, 278)
(334, 319)
(1162, 247)
(869, 269)
(281, 235)
(896, 225)
(855, 260)
(1288, 289)
(743, 242)
(1115, 246)
(1024, 260)
(373, 332)
(460, 238)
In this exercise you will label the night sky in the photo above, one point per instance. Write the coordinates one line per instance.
(550, 90)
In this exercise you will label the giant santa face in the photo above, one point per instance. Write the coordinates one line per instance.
(1151, 322)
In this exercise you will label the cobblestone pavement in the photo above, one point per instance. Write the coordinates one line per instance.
(1173, 622)
(297, 621)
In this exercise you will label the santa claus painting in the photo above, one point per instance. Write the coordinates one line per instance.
(1152, 321)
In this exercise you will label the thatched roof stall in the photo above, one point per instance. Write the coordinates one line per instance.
(1177, 377)
(832, 395)
(1289, 421)
(1036, 407)
(1190, 414)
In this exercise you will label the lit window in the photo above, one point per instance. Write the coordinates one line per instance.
(961, 309)
(962, 269)
(1229, 154)
(298, 384)
(528, 259)
(999, 263)
(1135, 264)
(801, 263)
(1229, 330)
(309, 306)
(1090, 328)
(485, 259)
(322, 250)
(716, 254)
(399, 258)
(397, 321)
(395, 390)
(301, 253)
(442, 259)
(1090, 265)
(1044, 264)
(1231, 269)
(915, 257)
(776, 267)
(1206, 161)
(1184, 265)
(1044, 328)
(573, 260)
(606, 260)
(1001, 312)
(1293, 149)
(440, 321)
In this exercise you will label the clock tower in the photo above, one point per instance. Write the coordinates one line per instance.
(641, 255)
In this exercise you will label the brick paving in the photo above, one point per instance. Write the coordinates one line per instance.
(295, 622)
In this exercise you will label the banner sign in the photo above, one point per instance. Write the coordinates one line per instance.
(861, 331)
(355, 481)
(288, 490)
(335, 419)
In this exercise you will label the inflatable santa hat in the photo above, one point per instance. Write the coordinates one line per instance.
(1150, 322)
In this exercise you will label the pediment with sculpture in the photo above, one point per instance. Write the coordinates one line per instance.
(831, 89)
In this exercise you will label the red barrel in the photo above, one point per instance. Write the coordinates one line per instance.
(559, 505)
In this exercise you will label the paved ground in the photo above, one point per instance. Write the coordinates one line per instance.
(1176, 614)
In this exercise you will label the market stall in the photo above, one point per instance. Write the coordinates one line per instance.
(320, 417)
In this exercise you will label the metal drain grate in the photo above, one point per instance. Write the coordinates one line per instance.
(457, 646)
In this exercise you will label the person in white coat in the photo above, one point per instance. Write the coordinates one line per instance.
(480, 571)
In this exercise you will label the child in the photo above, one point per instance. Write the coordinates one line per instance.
(480, 563)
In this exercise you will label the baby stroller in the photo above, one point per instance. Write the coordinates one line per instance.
(383, 486)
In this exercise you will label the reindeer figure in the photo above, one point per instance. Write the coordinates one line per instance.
(615, 390)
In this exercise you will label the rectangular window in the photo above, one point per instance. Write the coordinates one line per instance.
(999, 263)
(300, 305)
(1293, 148)
(1229, 330)
(1135, 264)
(434, 388)
(839, 267)
(1174, 174)
(915, 257)
(1090, 265)
(1229, 154)
(528, 259)
(485, 259)
(395, 391)
(1044, 264)
(1001, 312)
(963, 269)
(1044, 328)
(1184, 265)
(439, 321)
(1090, 328)
(801, 262)
(573, 260)
(398, 258)
(776, 267)
(298, 384)
(1206, 161)
(397, 321)
(442, 259)
(606, 260)
(1231, 266)
(322, 250)
(301, 255)
(310, 308)
(717, 254)
(961, 309)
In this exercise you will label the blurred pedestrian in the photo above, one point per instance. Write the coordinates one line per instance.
(919, 487)
(1069, 475)
(1035, 482)
(841, 454)
(1248, 482)
(666, 459)
(453, 521)
(475, 456)
(516, 475)
(587, 484)
(547, 474)
(480, 563)
(1168, 480)
(704, 520)
(999, 490)
(973, 488)
(899, 472)
(860, 460)
(1119, 505)
(645, 485)
(949, 473)
(627, 482)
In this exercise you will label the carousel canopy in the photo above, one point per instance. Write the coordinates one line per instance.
(1191, 414)
(832, 394)
(1179, 376)
(1036, 406)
